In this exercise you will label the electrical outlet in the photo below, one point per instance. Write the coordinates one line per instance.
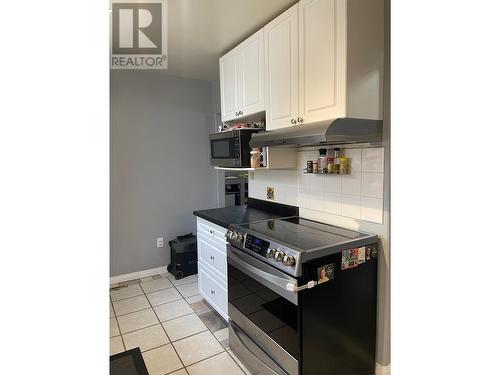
(270, 193)
(159, 242)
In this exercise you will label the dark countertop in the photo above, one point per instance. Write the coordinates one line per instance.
(255, 210)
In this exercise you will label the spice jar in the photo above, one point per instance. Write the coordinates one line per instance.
(309, 166)
(255, 158)
(336, 156)
(322, 161)
(315, 166)
(343, 165)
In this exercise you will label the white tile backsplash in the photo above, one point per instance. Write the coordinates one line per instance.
(354, 154)
(316, 200)
(351, 183)
(311, 181)
(332, 203)
(351, 206)
(358, 195)
(372, 209)
(372, 160)
(286, 195)
(333, 184)
(303, 198)
(372, 184)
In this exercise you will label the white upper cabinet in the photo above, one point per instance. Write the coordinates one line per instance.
(252, 75)
(228, 66)
(322, 60)
(242, 79)
(319, 60)
(282, 70)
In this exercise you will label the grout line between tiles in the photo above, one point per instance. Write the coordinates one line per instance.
(119, 329)
(224, 350)
(168, 337)
(196, 334)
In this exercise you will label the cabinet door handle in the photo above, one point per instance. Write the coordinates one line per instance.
(240, 112)
(212, 291)
(293, 121)
(236, 113)
(300, 119)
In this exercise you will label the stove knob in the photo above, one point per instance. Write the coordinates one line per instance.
(270, 253)
(288, 260)
(279, 256)
(234, 236)
(239, 237)
(229, 234)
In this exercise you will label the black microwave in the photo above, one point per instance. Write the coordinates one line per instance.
(230, 148)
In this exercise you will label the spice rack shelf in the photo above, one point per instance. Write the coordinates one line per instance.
(328, 173)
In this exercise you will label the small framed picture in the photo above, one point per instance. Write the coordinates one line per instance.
(325, 273)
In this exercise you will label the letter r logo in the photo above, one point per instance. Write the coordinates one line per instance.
(137, 28)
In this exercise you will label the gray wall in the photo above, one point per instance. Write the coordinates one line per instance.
(160, 170)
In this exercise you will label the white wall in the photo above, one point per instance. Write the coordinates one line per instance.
(160, 170)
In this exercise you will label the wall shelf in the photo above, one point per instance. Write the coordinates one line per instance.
(327, 173)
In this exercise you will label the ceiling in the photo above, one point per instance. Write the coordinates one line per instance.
(200, 31)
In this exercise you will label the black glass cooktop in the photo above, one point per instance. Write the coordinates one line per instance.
(302, 234)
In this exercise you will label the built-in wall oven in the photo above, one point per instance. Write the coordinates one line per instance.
(230, 148)
(302, 297)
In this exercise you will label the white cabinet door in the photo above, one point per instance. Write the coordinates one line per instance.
(213, 255)
(212, 291)
(229, 71)
(252, 74)
(322, 59)
(282, 71)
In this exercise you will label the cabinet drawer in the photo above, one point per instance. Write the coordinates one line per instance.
(212, 231)
(212, 255)
(212, 291)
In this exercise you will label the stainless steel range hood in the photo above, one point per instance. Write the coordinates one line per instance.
(331, 132)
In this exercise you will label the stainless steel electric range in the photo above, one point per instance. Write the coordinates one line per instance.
(302, 297)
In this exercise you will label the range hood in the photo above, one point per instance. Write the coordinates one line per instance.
(330, 132)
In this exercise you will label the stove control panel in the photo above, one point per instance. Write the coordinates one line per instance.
(256, 245)
(273, 253)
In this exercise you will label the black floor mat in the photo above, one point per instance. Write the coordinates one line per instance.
(128, 363)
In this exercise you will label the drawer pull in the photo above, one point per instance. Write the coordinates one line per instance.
(212, 291)
(212, 258)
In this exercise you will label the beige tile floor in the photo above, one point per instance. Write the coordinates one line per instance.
(177, 332)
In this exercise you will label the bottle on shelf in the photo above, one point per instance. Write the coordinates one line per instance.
(322, 161)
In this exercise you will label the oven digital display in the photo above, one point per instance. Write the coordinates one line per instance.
(257, 245)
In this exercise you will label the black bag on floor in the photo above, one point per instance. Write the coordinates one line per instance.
(183, 256)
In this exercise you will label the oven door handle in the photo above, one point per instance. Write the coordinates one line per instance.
(289, 285)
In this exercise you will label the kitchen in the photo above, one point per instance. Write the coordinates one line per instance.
(250, 187)
(297, 112)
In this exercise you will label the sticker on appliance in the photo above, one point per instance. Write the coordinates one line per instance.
(349, 259)
(371, 251)
(361, 255)
(325, 273)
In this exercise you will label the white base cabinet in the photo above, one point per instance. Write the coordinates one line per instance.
(212, 265)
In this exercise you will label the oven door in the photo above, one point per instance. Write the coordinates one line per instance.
(263, 313)
(225, 150)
